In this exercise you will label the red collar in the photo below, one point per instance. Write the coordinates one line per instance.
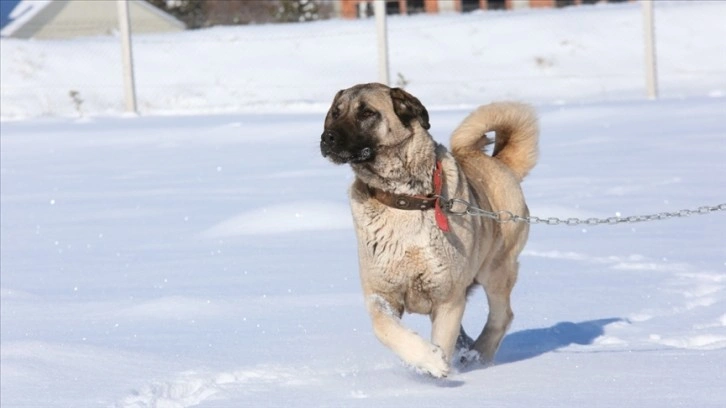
(441, 219)
(418, 202)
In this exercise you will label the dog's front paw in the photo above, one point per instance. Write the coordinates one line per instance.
(437, 364)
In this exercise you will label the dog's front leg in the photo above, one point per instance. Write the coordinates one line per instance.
(408, 345)
(446, 325)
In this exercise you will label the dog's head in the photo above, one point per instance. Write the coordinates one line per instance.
(367, 118)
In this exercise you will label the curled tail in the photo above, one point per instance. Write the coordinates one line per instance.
(516, 135)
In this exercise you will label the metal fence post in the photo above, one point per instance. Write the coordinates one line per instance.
(379, 8)
(651, 76)
(127, 57)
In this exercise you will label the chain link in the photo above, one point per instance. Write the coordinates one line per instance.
(504, 216)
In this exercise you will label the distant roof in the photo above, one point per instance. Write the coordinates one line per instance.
(6, 6)
(15, 14)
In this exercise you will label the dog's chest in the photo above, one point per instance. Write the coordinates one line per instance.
(425, 281)
(407, 259)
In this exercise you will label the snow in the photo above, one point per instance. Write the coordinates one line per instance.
(290, 217)
(190, 259)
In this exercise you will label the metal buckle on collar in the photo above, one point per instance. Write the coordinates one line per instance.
(449, 204)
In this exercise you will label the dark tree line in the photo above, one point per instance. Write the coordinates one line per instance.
(207, 13)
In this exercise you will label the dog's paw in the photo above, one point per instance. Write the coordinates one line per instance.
(436, 365)
(464, 358)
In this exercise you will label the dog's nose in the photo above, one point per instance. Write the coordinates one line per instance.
(328, 137)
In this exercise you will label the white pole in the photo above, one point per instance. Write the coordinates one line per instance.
(651, 78)
(379, 9)
(127, 57)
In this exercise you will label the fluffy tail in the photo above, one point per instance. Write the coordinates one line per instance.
(516, 129)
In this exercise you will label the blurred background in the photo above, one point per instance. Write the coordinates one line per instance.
(64, 58)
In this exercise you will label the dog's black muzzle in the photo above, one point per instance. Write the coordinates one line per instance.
(338, 149)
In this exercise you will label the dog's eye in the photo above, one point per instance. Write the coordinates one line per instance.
(335, 113)
(366, 113)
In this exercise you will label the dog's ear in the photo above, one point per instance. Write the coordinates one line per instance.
(335, 102)
(408, 107)
(336, 97)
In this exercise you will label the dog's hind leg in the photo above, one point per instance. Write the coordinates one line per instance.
(464, 342)
(498, 285)
(408, 345)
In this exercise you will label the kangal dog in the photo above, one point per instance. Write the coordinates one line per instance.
(415, 253)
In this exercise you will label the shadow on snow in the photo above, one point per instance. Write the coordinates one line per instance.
(526, 344)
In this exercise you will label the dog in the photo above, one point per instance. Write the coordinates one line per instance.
(417, 252)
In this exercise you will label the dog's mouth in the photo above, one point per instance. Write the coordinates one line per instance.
(361, 155)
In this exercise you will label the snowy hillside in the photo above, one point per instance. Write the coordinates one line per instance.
(164, 262)
(452, 60)
(209, 260)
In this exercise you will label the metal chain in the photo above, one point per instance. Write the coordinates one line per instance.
(504, 216)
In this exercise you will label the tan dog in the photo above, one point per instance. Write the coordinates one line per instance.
(414, 255)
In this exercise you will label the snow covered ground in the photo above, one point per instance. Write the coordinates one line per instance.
(209, 260)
